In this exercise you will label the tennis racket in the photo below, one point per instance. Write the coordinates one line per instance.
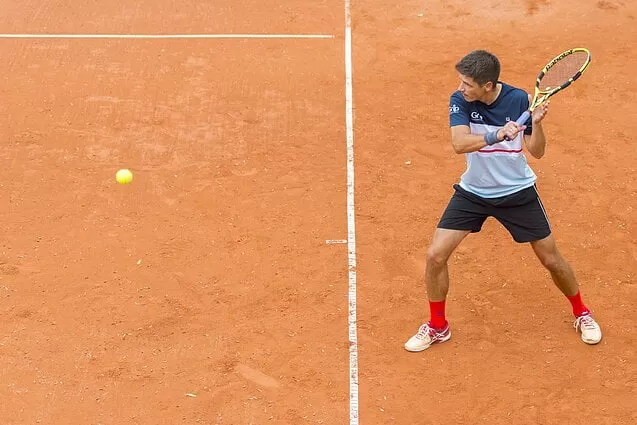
(557, 75)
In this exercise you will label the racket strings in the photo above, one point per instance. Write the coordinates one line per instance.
(563, 70)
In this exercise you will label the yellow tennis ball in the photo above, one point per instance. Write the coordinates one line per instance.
(124, 176)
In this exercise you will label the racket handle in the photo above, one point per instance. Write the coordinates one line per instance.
(523, 118)
(521, 121)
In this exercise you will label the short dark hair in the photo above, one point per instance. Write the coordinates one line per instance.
(481, 66)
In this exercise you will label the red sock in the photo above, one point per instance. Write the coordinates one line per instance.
(437, 311)
(578, 306)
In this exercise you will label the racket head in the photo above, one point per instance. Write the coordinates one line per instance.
(560, 73)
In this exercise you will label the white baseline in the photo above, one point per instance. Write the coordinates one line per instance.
(167, 36)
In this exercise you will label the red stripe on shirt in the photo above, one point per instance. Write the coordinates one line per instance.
(501, 150)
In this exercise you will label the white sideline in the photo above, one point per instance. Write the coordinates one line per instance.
(351, 228)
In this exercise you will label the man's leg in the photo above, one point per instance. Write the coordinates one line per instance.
(564, 278)
(437, 280)
(561, 272)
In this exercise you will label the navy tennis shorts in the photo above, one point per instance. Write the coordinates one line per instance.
(521, 213)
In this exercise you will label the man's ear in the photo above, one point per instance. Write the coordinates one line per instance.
(489, 86)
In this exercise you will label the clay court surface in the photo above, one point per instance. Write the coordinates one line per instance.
(205, 292)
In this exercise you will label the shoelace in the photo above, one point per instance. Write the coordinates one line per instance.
(585, 322)
(426, 330)
(423, 331)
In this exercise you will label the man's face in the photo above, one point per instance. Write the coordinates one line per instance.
(471, 90)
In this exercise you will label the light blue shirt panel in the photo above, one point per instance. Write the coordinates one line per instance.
(500, 169)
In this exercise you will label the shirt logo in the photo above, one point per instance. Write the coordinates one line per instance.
(454, 109)
(476, 116)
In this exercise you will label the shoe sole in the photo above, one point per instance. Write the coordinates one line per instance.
(439, 341)
(591, 341)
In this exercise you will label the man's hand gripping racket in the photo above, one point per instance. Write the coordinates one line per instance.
(557, 75)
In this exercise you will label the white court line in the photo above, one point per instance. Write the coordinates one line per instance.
(166, 36)
(351, 228)
(335, 241)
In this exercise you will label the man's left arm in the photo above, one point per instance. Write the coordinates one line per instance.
(536, 142)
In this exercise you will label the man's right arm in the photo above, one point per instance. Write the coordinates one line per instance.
(461, 138)
(464, 142)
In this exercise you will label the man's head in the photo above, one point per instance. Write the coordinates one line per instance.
(479, 72)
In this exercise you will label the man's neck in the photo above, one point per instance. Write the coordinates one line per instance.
(492, 96)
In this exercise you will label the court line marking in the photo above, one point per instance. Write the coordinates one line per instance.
(335, 241)
(166, 36)
(351, 227)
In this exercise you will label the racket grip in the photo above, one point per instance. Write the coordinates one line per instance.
(521, 121)
(523, 118)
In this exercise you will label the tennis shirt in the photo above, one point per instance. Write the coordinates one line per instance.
(500, 169)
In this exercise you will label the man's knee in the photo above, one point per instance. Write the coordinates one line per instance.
(548, 254)
(552, 261)
(436, 257)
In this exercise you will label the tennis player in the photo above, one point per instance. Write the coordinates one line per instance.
(499, 183)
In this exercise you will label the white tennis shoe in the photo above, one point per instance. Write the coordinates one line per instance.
(591, 332)
(426, 337)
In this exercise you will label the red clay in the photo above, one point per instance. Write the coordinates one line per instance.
(204, 292)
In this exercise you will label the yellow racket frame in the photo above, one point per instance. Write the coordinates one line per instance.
(541, 96)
